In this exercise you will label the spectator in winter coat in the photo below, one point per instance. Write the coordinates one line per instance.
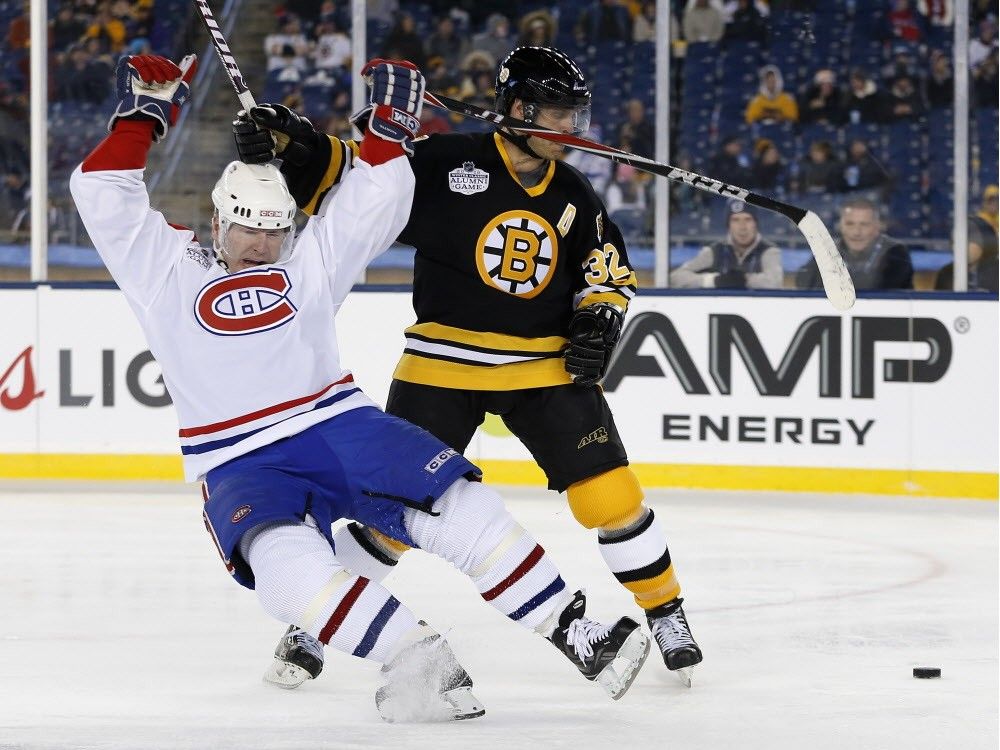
(874, 260)
(905, 102)
(903, 22)
(768, 170)
(644, 24)
(744, 260)
(702, 22)
(861, 170)
(496, 40)
(730, 164)
(404, 43)
(822, 101)
(940, 84)
(446, 44)
(820, 171)
(864, 102)
(772, 104)
(636, 133)
(983, 269)
(538, 29)
(604, 21)
(747, 24)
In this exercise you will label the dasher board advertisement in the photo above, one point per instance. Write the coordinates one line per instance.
(753, 392)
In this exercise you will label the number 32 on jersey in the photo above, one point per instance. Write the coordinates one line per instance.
(603, 264)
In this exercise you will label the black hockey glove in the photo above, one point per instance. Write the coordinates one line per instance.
(593, 333)
(274, 130)
(734, 278)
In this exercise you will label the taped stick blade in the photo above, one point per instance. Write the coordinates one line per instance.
(836, 280)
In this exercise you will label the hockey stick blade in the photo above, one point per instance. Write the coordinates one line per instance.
(225, 55)
(836, 280)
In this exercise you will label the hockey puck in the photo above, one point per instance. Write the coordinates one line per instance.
(926, 673)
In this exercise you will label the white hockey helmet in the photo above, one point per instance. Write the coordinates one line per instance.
(255, 196)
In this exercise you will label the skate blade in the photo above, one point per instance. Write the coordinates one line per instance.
(285, 675)
(618, 676)
(464, 704)
(684, 674)
(454, 705)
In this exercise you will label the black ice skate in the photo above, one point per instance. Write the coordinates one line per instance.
(297, 657)
(610, 655)
(425, 682)
(673, 635)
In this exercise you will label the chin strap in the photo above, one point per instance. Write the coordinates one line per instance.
(521, 141)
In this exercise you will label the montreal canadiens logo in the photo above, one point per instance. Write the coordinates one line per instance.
(247, 302)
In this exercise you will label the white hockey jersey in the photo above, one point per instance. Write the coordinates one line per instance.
(250, 357)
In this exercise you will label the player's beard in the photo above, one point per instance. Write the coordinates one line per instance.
(548, 150)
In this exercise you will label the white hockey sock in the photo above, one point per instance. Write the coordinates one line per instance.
(299, 580)
(359, 552)
(475, 532)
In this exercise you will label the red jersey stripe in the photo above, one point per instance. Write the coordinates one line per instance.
(260, 413)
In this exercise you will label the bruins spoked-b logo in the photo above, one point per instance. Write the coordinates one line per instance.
(517, 252)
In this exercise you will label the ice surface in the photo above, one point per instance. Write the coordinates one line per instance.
(121, 630)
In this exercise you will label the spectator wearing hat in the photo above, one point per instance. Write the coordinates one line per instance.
(538, 29)
(772, 104)
(984, 272)
(874, 260)
(822, 101)
(744, 260)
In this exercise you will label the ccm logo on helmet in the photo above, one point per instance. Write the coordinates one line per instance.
(247, 302)
(271, 214)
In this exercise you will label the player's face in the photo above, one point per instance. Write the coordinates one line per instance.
(572, 120)
(248, 247)
(743, 228)
(859, 227)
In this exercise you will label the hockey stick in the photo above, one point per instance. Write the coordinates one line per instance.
(836, 280)
(225, 55)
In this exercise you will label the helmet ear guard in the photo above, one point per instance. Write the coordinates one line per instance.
(254, 196)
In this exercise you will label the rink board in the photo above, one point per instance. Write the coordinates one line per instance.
(898, 396)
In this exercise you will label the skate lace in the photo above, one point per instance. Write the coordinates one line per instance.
(583, 633)
(304, 640)
(672, 631)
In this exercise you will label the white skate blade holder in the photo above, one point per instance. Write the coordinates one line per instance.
(452, 705)
(617, 677)
(285, 675)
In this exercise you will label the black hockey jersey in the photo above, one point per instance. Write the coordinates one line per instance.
(499, 268)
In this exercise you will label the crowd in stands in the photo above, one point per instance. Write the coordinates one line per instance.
(86, 38)
(821, 102)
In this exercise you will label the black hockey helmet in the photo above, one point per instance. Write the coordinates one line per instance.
(540, 75)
